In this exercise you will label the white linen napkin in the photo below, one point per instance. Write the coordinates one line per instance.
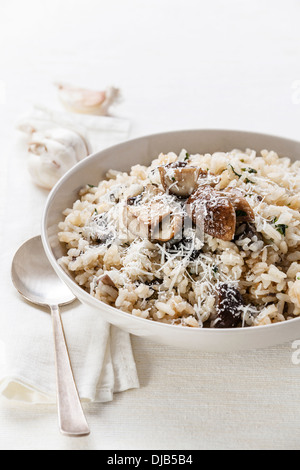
(101, 354)
(101, 131)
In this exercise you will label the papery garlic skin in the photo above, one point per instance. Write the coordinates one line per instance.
(68, 138)
(85, 101)
(52, 152)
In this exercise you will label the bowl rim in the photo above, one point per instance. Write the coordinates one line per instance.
(116, 311)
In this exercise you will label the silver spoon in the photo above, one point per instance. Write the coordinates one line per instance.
(36, 280)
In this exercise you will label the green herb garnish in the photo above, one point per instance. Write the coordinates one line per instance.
(250, 170)
(248, 181)
(234, 170)
(281, 228)
(187, 156)
(215, 269)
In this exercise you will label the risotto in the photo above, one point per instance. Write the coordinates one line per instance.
(203, 241)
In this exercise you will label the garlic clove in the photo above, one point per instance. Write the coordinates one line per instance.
(52, 153)
(48, 161)
(69, 138)
(86, 101)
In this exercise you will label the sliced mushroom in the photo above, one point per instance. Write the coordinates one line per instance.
(212, 212)
(179, 179)
(151, 191)
(134, 200)
(106, 280)
(244, 211)
(145, 194)
(168, 228)
(229, 307)
(247, 230)
(151, 215)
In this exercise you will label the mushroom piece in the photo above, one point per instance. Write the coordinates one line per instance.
(150, 215)
(149, 207)
(169, 228)
(247, 230)
(229, 307)
(243, 210)
(107, 281)
(212, 212)
(179, 179)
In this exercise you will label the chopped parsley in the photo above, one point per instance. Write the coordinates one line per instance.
(249, 170)
(215, 269)
(237, 174)
(281, 228)
(187, 156)
(244, 169)
(248, 181)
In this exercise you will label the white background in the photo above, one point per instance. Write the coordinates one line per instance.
(180, 64)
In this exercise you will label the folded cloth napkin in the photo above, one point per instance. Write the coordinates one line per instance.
(101, 131)
(101, 354)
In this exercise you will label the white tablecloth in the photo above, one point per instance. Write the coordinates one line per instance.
(180, 64)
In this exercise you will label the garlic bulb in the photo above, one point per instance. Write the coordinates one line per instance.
(85, 101)
(52, 152)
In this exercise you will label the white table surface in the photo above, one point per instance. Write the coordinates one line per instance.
(180, 64)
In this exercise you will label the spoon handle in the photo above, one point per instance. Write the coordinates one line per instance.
(72, 421)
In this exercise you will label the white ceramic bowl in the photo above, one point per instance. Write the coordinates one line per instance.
(143, 150)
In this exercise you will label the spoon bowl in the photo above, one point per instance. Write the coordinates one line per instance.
(36, 280)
